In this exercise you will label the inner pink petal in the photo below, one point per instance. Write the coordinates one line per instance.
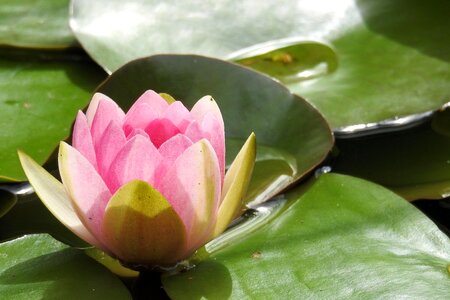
(82, 139)
(170, 150)
(137, 131)
(106, 112)
(160, 130)
(139, 116)
(179, 115)
(138, 159)
(154, 100)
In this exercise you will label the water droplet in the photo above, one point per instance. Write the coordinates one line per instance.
(288, 61)
(323, 170)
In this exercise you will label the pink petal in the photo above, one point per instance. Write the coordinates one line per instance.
(154, 100)
(93, 105)
(82, 139)
(194, 133)
(87, 190)
(111, 142)
(139, 116)
(160, 130)
(204, 106)
(170, 150)
(179, 115)
(192, 186)
(106, 112)
(138, 159)
(212, 128)
(137, 131)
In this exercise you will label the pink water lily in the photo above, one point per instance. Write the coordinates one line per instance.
(149, 186)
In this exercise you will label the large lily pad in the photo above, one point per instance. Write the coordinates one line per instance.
(344, 238)
(415, 162)
(383, 50)
(40, 95)
(292, 137)
(38, 267)
(35, 23)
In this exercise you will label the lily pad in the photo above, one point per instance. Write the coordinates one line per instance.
(35, 24)
(357, 61)
(414, 163)
(342, 238)
(292, 137)
(38, 267)
(40, 95)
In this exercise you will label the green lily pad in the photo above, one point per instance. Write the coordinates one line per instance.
(374, 61)
(414, 163)
(35, 24)
(40, 95)
(292, 137)
(342, 238)
(38, 267)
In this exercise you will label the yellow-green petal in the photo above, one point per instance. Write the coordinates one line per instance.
(235, 185)
(141, 227)
(53, 194)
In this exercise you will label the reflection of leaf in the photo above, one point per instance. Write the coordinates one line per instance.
(292, 137)
(342, 238)
(40, 95)
(7, 201)
(35, 23)
(38, 267)
(414, 162)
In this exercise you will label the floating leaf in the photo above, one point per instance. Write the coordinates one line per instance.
(38, 267)
(342, 238)
(383, 49)
(40, 95)
(292, 137)
(35, 24)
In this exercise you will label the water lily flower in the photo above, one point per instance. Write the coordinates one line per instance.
(149, 186)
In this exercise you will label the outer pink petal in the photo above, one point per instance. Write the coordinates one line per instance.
(212, 128)
(138, 159)
(204, 106)
(111, 142)
(54, 196)
(192, 186)
(82, 139)
(160, 130)
(86, 188)
(170, 150)
(179, 115)
(139, 116)
(106, 112)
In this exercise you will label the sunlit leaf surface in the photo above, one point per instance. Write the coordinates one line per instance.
(342, 238)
